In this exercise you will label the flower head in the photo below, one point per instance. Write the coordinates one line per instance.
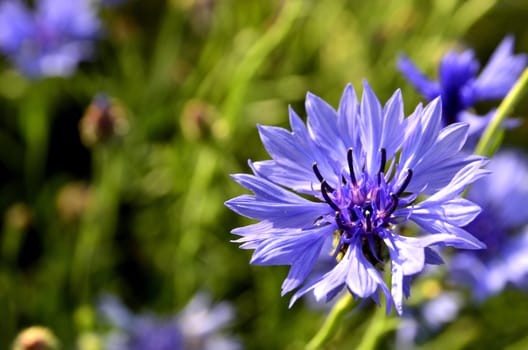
(52, 39)
(198, 326)
(501, 225)
(361, 171)
(461, 87)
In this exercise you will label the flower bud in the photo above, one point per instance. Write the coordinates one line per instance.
(18, 216)
(73, 200)
(36, 338)
(103, 121)
(197, 119)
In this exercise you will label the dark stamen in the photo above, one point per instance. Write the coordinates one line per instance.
(368, 221)
(374, 247)
(338, 220)
(393, 205)
(325, 188)
(352, 214)
(317, 173)
(382, 164)
(405, 182)
(350, 158)
(321, 178)
(383, 160)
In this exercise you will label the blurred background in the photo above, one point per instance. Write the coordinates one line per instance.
(113, 177)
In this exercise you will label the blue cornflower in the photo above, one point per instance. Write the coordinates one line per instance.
(502, 225)
(50, 40)
(361, 174)
(459, 86)
(428, 319)
(197, 327)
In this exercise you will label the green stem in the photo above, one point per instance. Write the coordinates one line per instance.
(332, 322)
(494, 131)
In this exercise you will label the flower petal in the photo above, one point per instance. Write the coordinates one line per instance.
(275, 204)
(429, 89)
(501, 72)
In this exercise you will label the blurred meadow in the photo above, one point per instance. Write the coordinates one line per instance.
(135, 208)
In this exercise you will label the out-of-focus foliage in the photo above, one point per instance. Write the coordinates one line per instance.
(139, 212)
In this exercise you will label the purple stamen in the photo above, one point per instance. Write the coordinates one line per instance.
(325, 188)
(339, 221)
(372, 246)
(405, 182)
(382, 164)
(350, 158)
(368, 220)
(383, 160)
(317, 172)
(393, 205)
(321, 178)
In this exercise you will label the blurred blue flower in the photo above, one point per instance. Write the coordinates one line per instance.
(501, 225)
(50, 40)
(360, 171)
(420, 324)
(459, 86)
(197, 327)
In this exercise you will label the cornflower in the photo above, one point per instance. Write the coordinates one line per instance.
(460, 86)
(198, 326)
(358, 177)
(502, 226)
(50, 40)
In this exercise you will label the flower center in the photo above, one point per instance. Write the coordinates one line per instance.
(363, 206)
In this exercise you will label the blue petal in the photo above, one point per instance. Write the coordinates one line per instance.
(465, 268)
(305, 253)
(433, 168)
(298, 248)
(505, 189)
(287, 176)
(322, 124)
(429, 89)
(446, 234)
(393, 124)
(432, 257)
(397, 286)
(286, 151)
(458, 211)
(408, 256)
(457, 71)
(295, 153)
(370, 126)
(501, 72)
(253, 235)
(361, 278)
(328, 166)
(347, 118)
(406, 252)
(466, 176)
(274, 203)
(284, 247)
(423, 129)
(16, 25)
(513, 259)
(436, 178)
